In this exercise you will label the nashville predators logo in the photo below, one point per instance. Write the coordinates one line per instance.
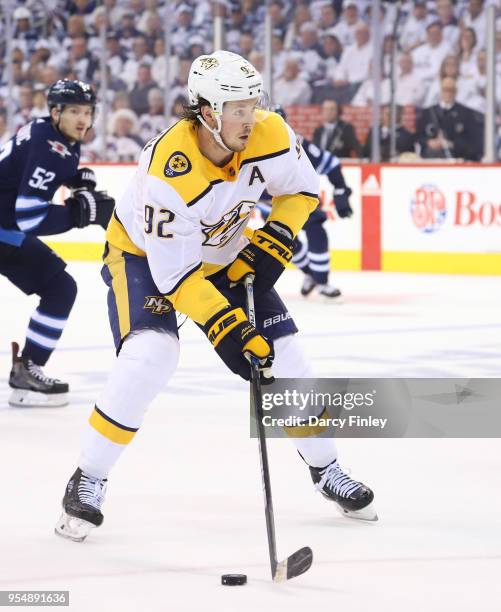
(158, 304)
(177, 165)
(222, 232)
(209, 62)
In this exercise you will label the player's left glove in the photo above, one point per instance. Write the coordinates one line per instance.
(90, 207)
(83, 179)
(342, 202)
(269, 251)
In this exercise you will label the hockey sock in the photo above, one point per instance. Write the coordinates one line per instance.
(318, 252)
(291, 362)
(300, 256)
(47, 322)
(146, 361)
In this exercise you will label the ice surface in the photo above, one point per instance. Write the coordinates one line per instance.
(185, 504)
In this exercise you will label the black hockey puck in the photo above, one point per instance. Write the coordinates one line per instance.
(233, 579)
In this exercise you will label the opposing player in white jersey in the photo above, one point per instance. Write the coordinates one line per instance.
(179, 242)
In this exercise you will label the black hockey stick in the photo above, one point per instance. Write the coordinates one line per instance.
(300, 561)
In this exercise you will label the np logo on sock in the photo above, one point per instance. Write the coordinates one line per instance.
(177, 165)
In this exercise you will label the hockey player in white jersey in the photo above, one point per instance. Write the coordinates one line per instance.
(179, 242)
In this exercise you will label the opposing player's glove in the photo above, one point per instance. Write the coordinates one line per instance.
(83, 179)
(235, 340)
(269, 251)
(342, 202)
(90, 207)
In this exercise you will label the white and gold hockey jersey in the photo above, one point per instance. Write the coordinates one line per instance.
(189, 217)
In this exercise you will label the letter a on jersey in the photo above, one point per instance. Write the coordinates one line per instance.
(255, 174)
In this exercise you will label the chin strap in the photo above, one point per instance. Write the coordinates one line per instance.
(216, 132)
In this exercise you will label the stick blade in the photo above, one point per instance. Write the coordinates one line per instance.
(298, 563)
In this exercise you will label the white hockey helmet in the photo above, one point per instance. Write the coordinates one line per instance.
(223, 77)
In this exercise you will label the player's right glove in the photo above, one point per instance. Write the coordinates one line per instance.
(342, 202)
(235, 340)
(90, 207)
(269, 251)
(83, 179)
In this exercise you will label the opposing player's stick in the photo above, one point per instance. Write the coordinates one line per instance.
(300, 561)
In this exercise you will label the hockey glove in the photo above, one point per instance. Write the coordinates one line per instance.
(83, 179)
(342, 202)
(235, 340)
(90, 207)
(269, 251)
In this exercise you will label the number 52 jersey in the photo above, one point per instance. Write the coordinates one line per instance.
(189, 217)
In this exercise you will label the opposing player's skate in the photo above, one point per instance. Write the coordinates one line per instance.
(82, 503)
(353, 499)
(309, 285)
(31, 387)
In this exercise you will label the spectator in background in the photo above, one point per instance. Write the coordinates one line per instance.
(257, 60)
(124, 144)
(307, 51)
(327, 19)
(80, 60)
(138, 95)
(291, 88)
(120, 100)
(408, 87)
(235, 26)
(413, 33)
(475, 17)
(245, 44)
(75, 27)
(39, 108)
(183, 28)
(428, 57)
(467, 52)
(278, 54)
(180, 83)
(365, 93)
(476, 100)
(81, 7)
(405, 142)
(335, 135)
(450, 29)
(449, 129)
(25, 104)
(127, 31)
(24, 33)
(49, 75)
(450, 69)
(176, 111)
(301, 15)
(353, 68)
(330, 53)
(140, 56)
(4, 133)
(158, 65)
(153, 122)
(346, 28)
(116, 54)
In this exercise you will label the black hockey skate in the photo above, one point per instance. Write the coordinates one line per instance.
(326, 290)
(82, 503)
(352, 498)
(31, 387)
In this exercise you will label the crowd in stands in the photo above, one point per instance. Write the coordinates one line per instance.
(322, 56)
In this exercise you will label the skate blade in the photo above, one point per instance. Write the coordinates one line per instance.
(73, 528)
(365, 514)
(24, 398)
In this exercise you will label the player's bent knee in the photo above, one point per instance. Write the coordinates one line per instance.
(290, 359)
(155, 353)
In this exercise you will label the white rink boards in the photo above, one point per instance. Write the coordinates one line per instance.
(184, 504)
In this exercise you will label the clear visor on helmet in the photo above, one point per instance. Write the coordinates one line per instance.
(248, 112)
